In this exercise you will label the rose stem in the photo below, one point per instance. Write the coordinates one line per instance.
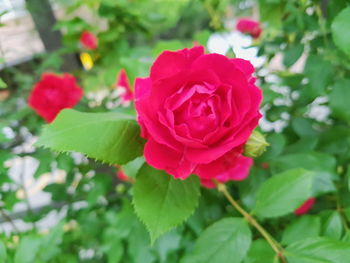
(273, 243)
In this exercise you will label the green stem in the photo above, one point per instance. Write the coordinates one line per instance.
(273, 243)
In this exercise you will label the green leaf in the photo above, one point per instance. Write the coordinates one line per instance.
(27, 250)
(318, 250)
(260, 252)
(131, 168)
(283, 193)
(108, 137)
(168, 243)
(319, 72)
(163, 202)
(340, 30)
(338, 99)
(302, 228)
(322, 164)
(50, 243)
(348, 176)
(139, 247)
(227, 240)
(292, 54)
(333, 226)
(3, 254)
(2, 83)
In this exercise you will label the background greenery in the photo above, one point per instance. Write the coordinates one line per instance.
(308, 155)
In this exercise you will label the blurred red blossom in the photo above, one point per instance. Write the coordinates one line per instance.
(54, 93)
(123, 82)
(88, 40)
(305, 207)
(249, 26)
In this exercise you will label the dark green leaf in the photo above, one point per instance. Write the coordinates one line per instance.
(292, 54)
(338, 99)
(319, 72)
(163, 202)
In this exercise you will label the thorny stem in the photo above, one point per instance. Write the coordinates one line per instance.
(273, 243)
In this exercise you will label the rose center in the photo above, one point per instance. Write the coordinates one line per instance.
(199, 115)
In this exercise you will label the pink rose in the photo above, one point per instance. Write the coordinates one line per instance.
(249, 26)
(123, 83)
(305, 207)
(196, 112)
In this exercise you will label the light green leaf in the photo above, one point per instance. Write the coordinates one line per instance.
(108, 137)
(333, 227)
(131, 168)
(139, 247)
(283, 193)
(302, 228)
(50, 243)
(318, 250)
(338, 99)
(168, 243)
(227, 240)
(3, 254)
(340, 30)
(2, 83)
(27, 250)
(322, 164)
(163, 202)
(260, 252)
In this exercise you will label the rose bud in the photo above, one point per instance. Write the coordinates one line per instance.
(88, 40)
(123, 83)
(54, 93)
(255, 145)
(305, 207)
(196, 112)
(249, 26)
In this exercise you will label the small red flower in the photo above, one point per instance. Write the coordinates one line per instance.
(249, 26)
(305, 207)
(123, 83)
(88, 40)
(54, 93)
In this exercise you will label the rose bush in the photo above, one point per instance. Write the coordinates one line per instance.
(54, 93)
(197, 111)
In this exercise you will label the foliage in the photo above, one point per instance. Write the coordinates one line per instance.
(99, 218)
